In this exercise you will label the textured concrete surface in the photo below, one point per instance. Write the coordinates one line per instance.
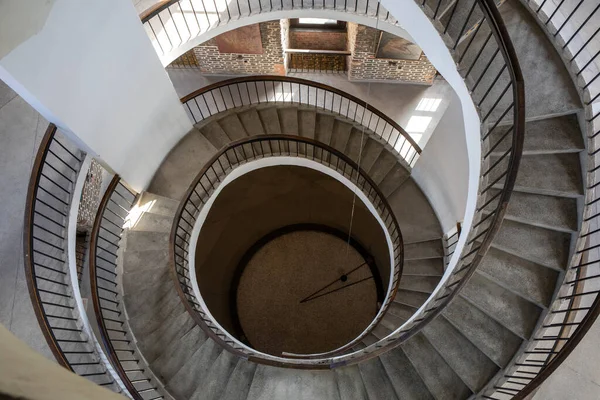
(530, 280)
(469, 362)
(552, 135)
(548, 87)
(544, 246)
(21, 130)
(515, 313)
(288, 269)
(405, 379)
(377, 383)
(350, 384)
(442, 381)
(495, 340)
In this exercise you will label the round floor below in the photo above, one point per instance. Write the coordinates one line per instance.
(305, 292)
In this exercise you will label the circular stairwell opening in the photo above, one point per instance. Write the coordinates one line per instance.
(305, 289)
(289, 261)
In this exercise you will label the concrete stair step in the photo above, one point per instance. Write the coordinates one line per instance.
(340, 135)
(233, 127)
(394, 179)
(414, 213)
(284, 383)
(270, 120)
(491, 337)
(369, 339)
(350, 384)
(370, 154)
(288, 119)
(531, 281)
(217, 377)
(380, 331)
(392, 321)
(384, 164)
(411, 298)
(355, 144)
(471, 364)
(144, 323)
(149, 299)
(307, 120)
(511, 310)
(550, 174)
(426, 267)
(550, 135)
(157, 204)
(168, 364)
(171, 329)
(324, 128)
(141, 241)
(152, 223)
(215, 134)
(424, 284)
(145, 260)
(404, 378)
(544, 246)
(143, 280)
(376, 380)
(423, 250)
(401, 311)
(191, 376)
(552, 212)
(239, 382)
(438, 376)
(252, 123)
(181, 165)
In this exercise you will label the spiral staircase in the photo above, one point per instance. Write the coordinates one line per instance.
(512, 303)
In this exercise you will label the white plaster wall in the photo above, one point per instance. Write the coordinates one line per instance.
(93, 72)
(19, 20)
(442, 171)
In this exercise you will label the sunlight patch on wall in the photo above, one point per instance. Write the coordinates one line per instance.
(428, 104)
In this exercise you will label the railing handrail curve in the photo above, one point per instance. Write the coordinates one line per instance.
(377, 194)
(155, 9)
(36, 301)
(112, 354)
(289, 79)
(47, 228)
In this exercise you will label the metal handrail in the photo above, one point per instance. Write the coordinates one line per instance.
(253, 90)
(45, 240)
(107, 300)
(206, 184)
(573, 27)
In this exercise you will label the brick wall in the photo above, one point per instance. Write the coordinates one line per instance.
(211, 61)
(317, 40)
(363, 66)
